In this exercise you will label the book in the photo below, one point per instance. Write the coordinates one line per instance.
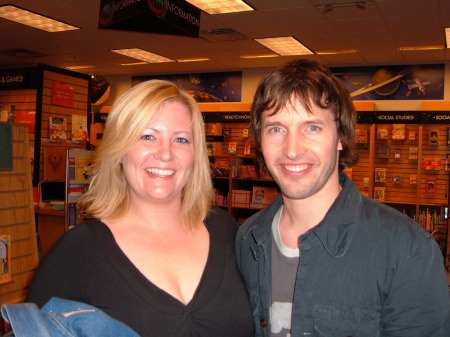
(413, 153)
(83, 168)
(210, 149)
(252, 171)
(240, 198)
(430, 186)
(380, 175)
(264, 195)
(361, 138)
(382, 133)
(264, 172)
(57, 128)
(247, 147)
(79, 128)
(396, 179)
(398, 131)
(232, 147)
(379, 193)
(434, 137)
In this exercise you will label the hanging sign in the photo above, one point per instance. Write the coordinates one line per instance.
(176, 17)
(17, 79)
(226, 117)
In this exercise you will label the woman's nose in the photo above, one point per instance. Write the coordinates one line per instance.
(164, 151)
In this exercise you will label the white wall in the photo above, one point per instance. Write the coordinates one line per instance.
(250, 79)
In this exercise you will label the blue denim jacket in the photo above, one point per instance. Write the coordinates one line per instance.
(365, 270)
(62, 318)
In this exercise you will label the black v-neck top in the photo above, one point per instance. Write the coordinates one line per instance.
(87, 265)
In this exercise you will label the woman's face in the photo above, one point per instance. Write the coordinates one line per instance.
(158, 166)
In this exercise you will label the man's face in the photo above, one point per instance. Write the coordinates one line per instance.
(301, 150)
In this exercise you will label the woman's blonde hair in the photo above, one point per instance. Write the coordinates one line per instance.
(108, 194)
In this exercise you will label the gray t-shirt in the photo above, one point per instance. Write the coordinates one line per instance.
(284, 273)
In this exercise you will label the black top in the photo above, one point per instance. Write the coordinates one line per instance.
(87, 265)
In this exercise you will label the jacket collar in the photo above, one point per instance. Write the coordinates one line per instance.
(335, 231)
(337, 228)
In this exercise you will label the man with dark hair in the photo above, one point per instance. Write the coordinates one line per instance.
(322, 260)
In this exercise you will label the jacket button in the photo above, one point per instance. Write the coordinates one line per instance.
(263, 322)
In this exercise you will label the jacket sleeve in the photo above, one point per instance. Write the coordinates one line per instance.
(418, 303)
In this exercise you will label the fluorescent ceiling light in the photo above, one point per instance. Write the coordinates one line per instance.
(133, 64)
(198, 59)
(258, 56)
(334, 52)
(142, 55)
(447, 37)
(34, 20)
(420, 48)
(79, 67)
(285, 46)
(221, 6)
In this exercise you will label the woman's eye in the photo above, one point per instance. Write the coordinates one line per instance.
(147, 137)
(182, 140)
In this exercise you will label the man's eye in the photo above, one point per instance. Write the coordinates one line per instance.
(275, 130)
(314, 128)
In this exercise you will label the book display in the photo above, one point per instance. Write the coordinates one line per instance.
(78, 168)
(413, 176)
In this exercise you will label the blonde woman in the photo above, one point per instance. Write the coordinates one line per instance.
(158, 259)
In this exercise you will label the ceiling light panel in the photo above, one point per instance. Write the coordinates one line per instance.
(447, 37)
(34, 20)
(415, 48)
(221, 6)
(142, 55)
(258, 56)
(197, 59)
(285, 46)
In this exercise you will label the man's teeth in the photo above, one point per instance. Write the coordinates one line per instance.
(295, 168)
(160, 172)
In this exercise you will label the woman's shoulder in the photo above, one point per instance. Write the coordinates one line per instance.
(220, 220)
(82, 234)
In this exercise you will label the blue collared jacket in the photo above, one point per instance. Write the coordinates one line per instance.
(365, 270)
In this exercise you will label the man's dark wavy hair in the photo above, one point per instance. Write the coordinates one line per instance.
(311, 84)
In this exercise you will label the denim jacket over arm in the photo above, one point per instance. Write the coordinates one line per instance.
(364, 270)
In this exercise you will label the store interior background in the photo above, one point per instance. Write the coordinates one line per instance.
(376, 32)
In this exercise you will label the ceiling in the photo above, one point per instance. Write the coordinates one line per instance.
(375, 32)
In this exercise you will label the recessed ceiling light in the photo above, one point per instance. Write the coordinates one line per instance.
(221, 6)
(34, 20)
(258, 56)
(285, 46)
(198, 59)
(133, 64)
(420, 48)
(79, 67)
(334, 52)
(447, 36)
(142, 55)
